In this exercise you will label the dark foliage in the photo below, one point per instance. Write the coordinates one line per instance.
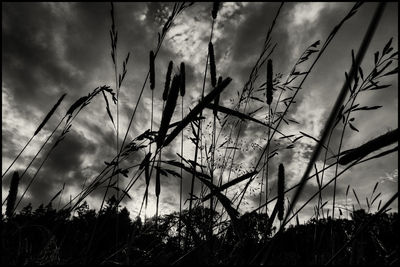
(47, 236)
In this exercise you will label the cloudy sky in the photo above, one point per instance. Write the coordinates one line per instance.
(53, 48)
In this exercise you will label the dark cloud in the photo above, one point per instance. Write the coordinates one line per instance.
(29, 52)
(69, 153)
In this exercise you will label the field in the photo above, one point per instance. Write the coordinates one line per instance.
(179, 157)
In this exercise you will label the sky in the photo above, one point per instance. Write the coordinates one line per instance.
(49, 49)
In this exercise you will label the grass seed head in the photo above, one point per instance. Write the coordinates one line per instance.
(213, 71)
(12, 195)
(51, 112)
(167, 81)
(215, 9)
(168, 110)
(183, 80)
(152, 71)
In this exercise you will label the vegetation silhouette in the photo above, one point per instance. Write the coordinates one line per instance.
(47, 236)
(218, 233)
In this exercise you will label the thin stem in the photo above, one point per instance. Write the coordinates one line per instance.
(198, 134)
(37, 153)
(19, 154)
(180, 186)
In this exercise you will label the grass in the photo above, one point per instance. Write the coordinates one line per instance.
(219, 234)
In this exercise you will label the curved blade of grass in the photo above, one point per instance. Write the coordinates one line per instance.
(339, 102)
(369, 147)
(196, 110)
(231, 183)
(239, 115)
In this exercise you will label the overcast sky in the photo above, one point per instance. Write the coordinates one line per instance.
(53, 48)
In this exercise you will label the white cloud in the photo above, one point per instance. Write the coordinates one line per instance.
(305, 13)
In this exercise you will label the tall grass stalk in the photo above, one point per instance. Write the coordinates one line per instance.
(182, 93)
(269, 95)
(213, 141)
(198, 134)
(42, 124)
(37, 153)
(335, 110)
(248, 88)
(71, 113)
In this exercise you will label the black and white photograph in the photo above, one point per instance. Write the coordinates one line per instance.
(200, 133)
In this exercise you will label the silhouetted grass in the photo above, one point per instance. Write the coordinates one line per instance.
(219, 234)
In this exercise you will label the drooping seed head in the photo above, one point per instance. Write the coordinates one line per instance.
(77, 104)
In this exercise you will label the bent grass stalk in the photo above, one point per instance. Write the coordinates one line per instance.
(340, 99)
(37, 153)
(42, 124)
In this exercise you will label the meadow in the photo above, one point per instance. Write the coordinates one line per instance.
(209, 227)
